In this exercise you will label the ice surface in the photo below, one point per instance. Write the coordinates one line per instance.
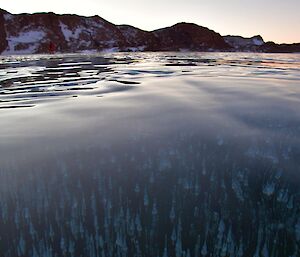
(150, 154)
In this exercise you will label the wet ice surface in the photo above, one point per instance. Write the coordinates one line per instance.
(150, 154)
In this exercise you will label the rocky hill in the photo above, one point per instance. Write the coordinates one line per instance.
(272, 47)
(32, 33)
(49, 32)
(245, 44)
(138, 40)
(189, 36)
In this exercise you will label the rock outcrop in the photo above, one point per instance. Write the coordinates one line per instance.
(46, 32)
(3, 37)
(32, 33)
(239, 43)
(50, 32)
(271, 47)
(189, 36)
(138, 40)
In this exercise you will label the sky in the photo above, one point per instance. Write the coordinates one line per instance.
(274, 20)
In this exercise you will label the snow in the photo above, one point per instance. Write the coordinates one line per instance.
(257, 42)
(110, 50)
(32, 38)
(136, 49)
(77, 32)
(69, 34)
(28, 37)
(11, 49)
(238, 41)
(90, 51)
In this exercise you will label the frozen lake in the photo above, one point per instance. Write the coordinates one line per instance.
(150, 154)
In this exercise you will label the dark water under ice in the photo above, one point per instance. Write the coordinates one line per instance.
(150, 154)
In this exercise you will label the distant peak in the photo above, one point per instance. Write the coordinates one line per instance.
(258, 37)
(185, 24)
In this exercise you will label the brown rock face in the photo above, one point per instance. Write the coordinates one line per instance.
(49, 32)
(137, 39)
(3, 41)
(251, 44)
(88, 33)
(70, 33)
(44, 32)
(271, 47)
(191, 37)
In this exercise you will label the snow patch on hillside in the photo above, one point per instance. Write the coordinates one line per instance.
(257, 42)
(241, 42)
(137, 49)
(25, 42)
(79, 31)
(28, 37)
(70, 34)
(110, 50)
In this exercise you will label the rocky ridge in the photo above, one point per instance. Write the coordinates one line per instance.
(50, 32)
